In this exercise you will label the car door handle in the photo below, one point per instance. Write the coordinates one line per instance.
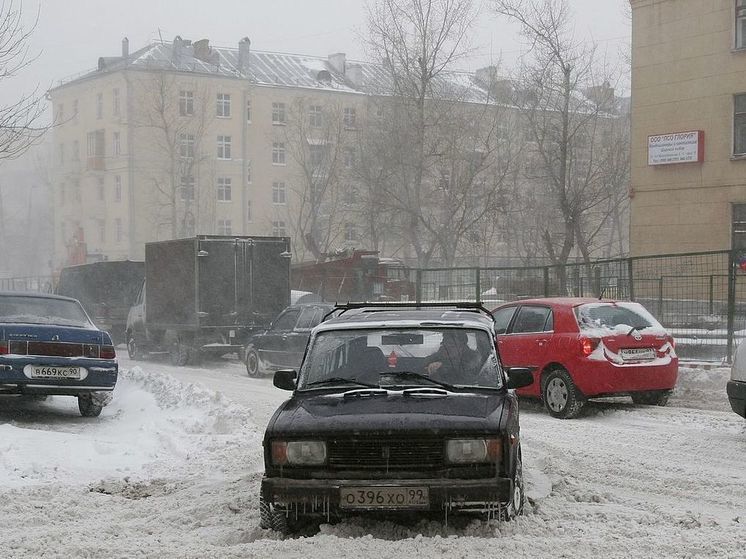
(542, 342)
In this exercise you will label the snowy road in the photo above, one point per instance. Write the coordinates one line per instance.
(171, 469)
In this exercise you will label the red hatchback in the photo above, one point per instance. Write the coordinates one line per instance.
(586, 348)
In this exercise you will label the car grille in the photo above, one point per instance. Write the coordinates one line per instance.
(386, 453)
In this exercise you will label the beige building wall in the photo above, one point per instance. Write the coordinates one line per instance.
(685, 72)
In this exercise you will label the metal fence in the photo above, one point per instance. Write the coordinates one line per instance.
(44, 284)
(699, 297)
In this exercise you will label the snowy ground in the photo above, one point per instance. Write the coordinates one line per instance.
(172, 467)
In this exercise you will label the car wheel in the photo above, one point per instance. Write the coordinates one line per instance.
(252, 363)
(655, 398)
(180, 354)
(87, 407)
(515, 507)
(132, 348)
(561, 397)
(271, 519)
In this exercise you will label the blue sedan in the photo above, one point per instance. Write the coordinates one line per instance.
(49, 346)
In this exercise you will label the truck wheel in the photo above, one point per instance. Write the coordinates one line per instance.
(655, 398)
(87, 407)
(132, 348)
(180, 355)
(252, 363)
(271, 519)
(561, 397)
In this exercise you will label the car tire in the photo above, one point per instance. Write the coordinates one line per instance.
(271, 519)
(133, 350)
(517, 500)
(180, 354)
(654, 398)
(561, 397)
(87, 407)
(251, 361)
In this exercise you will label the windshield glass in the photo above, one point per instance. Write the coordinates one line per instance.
(39, 310)
(615, 317)
(452, 357)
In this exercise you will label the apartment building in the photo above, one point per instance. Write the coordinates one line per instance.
(688, 110)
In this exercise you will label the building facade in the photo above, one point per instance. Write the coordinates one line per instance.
(688, 177)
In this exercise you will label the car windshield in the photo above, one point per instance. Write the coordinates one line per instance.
(41, 310)
(402, 357)
(615, 317)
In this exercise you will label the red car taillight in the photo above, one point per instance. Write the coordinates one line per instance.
(3, 348)
(107, 352)
(588, 345)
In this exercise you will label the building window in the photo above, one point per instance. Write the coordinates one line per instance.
(100, 189)
(101, 230)
(117, 102)
(314, 116)
(739, 125)
(279, 194)
(118, 229)
(349, 196)
(100, 105)
(186, 146)
(739, 228)
(187, 188)
(278, 153)
(248, 110)
(76, 150)
(350, 232)
(249, 215)
(740, 24)
(248, 172)
(61, 153)
(278, 113)
(224, 189)
(317, 156)
(349, 158)
(76, 192)
(224, 105)
(224, 227)
(445, 179)
(117, 146)
(349, 117)
(75, 110)
(224, 147)
(117, 188)
(60, 112)
(186, 103)
(279, 229)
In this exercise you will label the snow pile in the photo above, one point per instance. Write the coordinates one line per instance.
(702, 389)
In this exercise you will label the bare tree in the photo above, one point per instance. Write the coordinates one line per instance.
(20, 121)
(176, 135)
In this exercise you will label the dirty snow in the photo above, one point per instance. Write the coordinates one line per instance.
(172, 469)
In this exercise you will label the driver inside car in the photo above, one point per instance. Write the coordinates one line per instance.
(454, 361)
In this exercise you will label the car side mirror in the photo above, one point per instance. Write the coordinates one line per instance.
(285, 379)
(518, 377)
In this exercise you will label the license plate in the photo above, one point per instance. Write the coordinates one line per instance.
(55, 372)
(638, 354)
(384, 497)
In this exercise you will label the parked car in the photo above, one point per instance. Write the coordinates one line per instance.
(395, 409)
(736, 387)
(49, 346)
(585, 348)
(282, 345)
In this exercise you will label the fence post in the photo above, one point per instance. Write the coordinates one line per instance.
(418, 286)
(631, 276)
(478, 285)
(731, 305)
(712, 295)
(546, 281)
(660, 298)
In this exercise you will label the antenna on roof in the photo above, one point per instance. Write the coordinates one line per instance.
(160, 36)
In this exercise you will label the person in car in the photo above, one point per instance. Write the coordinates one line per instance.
(454, 361)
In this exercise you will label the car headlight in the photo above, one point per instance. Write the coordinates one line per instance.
(473, 451)
(298, 453)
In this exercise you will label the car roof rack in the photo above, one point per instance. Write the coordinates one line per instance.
(466, 306)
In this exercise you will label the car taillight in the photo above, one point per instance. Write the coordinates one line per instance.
(279, 453)
(3, 348)
(107, 352)
(588, 345)
(672, 341)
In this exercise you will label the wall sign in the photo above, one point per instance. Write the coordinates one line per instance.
(678, 147)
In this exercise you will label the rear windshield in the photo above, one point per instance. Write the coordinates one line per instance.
(615, 317)
(40, 310)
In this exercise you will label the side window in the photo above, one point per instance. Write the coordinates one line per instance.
(287, 320)
(309, 318)
(549, 326)
(531, 319)
(502, 319)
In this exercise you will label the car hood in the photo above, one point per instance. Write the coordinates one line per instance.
(389, 412)
(52, 333)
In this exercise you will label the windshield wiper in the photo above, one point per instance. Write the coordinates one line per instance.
(418, 376)
(340, 380)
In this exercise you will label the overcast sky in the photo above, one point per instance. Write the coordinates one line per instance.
(72, 34)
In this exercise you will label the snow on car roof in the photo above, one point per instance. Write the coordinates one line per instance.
(408, 317)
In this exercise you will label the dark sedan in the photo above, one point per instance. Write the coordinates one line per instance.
(49, 346)
(395, 410)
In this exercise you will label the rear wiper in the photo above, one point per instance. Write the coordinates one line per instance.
(340, 380)
(419, 376)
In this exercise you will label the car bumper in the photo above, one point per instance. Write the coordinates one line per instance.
(100, 376)
(737, 396)
(323, 497)
(604, 378)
